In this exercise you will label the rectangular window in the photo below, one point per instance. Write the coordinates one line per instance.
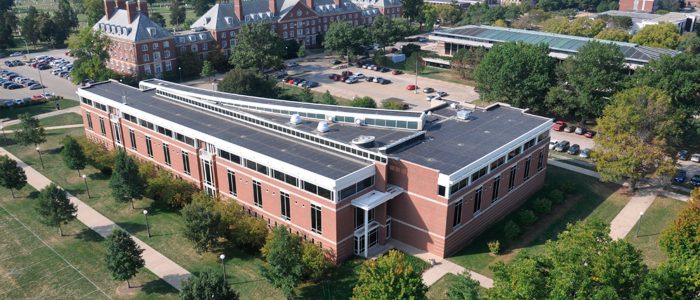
(102, 126)
(540, 161)
(477, 200)
(117, 136)
(231, 176)
(441, 190)
(185, 163)
(208, 178)
(526, 175)
(457, 218)
(529, 144)
(89, 119)
(166, 154)
(513, 153)
(511, 178)
(132, 139)
(497, 163)
(257, 193)
(284, 205)
(316, 218)
(496, 187)
(149, 147)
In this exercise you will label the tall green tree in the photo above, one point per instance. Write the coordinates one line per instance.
(207, 70)
(249, 82)
(662, 35)
(258, 46)
(8, 24)
(89, 47)
(613, 34)
(66, 14)
(516, 73)
(301, 52)
(306, 95)
(28, 26)
(12, 177)
(344, 38)
(126, 182)
(391, 276)
(327, 98)
(207, 285)
(54, 208)
(690, 43)
(682, 238)
(365, 101)
(73, 155)
(123, 257)
(465, 288)
(383, 31)
(177, 13)
(94, 10)
(283, 254)
(411, 9)
(587, 80)
(158, 18)
(638, 130)
(464, 62)
(30, 131)
(202, 225)
(200, 6)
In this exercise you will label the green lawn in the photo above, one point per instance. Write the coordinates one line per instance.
(590, 199)
(31, 268)
(59, 120)
(660, 214)
(49, 106)
(438, 291)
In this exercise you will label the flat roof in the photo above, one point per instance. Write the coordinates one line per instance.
(316, 159)
(451, 143)
(556, 42)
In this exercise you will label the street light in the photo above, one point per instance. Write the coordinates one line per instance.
(148, 227)
(86, 185)
(223, 267)
(40, 159)
(639, 224)
(179, 70)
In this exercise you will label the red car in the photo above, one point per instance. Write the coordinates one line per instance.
(589, 134)
(396, 72)
(290, 81)
(411, 87)
(559, 126)
(347, 73)
(38, 97)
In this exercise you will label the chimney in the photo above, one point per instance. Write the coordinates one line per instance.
(131, 10)
(337, 2)
(310, 4)
(121, 4)
(272, 6)
(109, 8)
(143, 7)
(238, 9)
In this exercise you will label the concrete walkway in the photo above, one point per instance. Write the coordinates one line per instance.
(628, 217)
(157, 263)
(55, 127)
(570, 167)
(74, 109)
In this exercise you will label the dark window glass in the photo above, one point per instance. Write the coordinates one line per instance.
(231, 176)
(441, 190)
(166, 154)
(310, 187)
(540, 160)
(149, 147)
(457, 218)
(102, 126)
(477, 200)
(324, 193)
(257, 194)
(89, 119)
(495, 188)
(526, 175)
(185, 163)
(511, 178)
(284, 203)
(132, 139)
(316, 219)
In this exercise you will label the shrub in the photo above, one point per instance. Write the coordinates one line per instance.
(97, 155)
(316, 261)
(166, 188)
(495, 247)
(511, 230)
(241, 230)
(568, 187)
(556, 196)
(542, 206)
(526, 217)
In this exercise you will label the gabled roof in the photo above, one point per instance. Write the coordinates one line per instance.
(220, 17)
(378, 3)
(142, 28)
(327, 7)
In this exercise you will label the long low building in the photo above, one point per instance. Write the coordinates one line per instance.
(560, 46)
(348, 179)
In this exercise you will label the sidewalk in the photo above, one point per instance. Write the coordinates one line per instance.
(157, 263)
(54, 127)
(624, 222)
(74, 109)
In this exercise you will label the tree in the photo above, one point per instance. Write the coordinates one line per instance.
(249, 82)
(190, 64)
(8, 24)
(73, 154)
(516, 73)
(123, 256)
(587, 80)
(242, 231)
(207, 285)
(177, 13)
(411, 9)
(207, 70)
(315, 261)
(465, 61)
(662, 35)
(613, 34)
(12, 177)
(674, 279)
(93, 9)
(306, 95)
(581, 26)
(29, 26)
(202, 225)
(200, 6)
(90, 50)
(365, 101)
(344, 38)
(301, 52)
(327, 98)
(383, 31)
(30, 131)
(67, 15)
(391, 276)
(682, 238)
(465, 288)
(638, 128)
(54, 208)
(690, 43)
(126, 182)
(283, 253)
(158, 18)
(258, 46)
(415, 62)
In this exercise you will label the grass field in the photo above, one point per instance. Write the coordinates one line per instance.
(660, 214)
(49, 106)
(59, 120)
(591, 199)
(438, 291)
(35, 262)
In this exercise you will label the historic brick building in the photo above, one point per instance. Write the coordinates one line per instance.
(349, 179)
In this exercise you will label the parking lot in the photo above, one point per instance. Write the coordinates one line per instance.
(54, 84)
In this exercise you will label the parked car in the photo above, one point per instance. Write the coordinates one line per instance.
(43, 67)
(336, 62)
(346, 73)
(384, 81)
(683, 155)
(552, 144)
(585, 153)
(411, 87)
(580, 130)
(359, 76)
(559, 126)
(38, 97)
(422, 40)
(428, 90)
(562, 146)
(681, 176)
(19, 101)
(351, 80)
(14, 86)
(15, 54)
(396, 72)
(312, 84)
(695, 180)
(8, 103)
(573, 150)
(431, 98)
(569, 129)
(695, 158)
(292, 64)
(589, 134)
(369, 79)
(384, 70)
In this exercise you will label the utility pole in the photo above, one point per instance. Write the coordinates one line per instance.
(416, 89)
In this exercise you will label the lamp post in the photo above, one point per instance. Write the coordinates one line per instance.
(415, 91)
(86, 185)
(223, 266)
(38, 150)
(179, 70)
(639, 224)
(148, 227)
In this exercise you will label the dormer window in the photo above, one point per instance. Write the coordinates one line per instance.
(151, 31)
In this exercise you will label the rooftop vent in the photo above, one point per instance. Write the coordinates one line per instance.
(295, 119)
(323, 127)
(364, 141)
(453, 105)
(359, 122)
(464, 114)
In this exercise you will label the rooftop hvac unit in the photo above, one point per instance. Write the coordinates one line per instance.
(364, 141)
(453, 105)
(330, 119)
(295, 119)
(464, 114)
(359, 122)
(323, 127)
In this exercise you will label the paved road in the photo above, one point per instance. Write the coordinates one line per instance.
(54, 84)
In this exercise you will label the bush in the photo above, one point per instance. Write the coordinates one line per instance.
(511, 230)
(97, 156)
(241, 230)
(495, 247)
(365, 101)
(526, 217)
(568, 187)
(164, 187)
(316, 261)
(542, 206)
(556, 196)
(393, 103)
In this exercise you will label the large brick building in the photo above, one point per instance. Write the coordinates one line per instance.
(346, 178)
(141, 46)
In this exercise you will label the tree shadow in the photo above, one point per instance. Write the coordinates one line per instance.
(88, 235)
(157, 287)
(132, 227)
(53, 151)
(98, 176)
